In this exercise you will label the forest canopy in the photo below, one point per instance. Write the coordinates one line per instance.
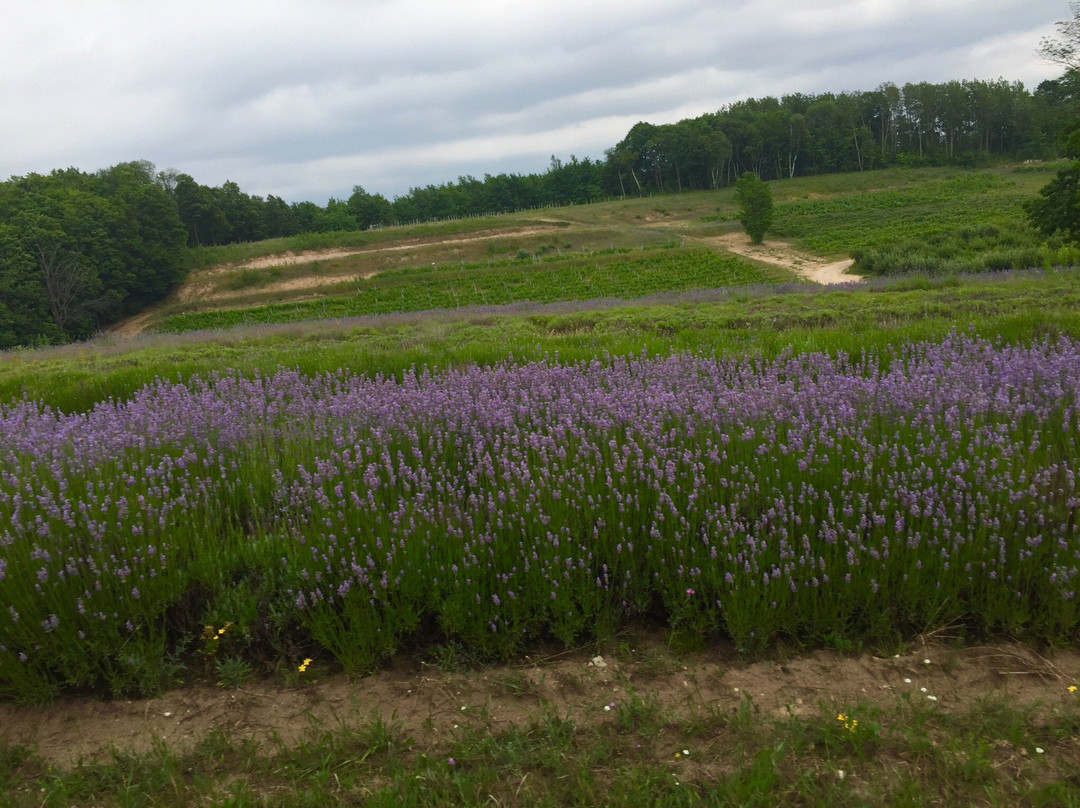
(81, 250)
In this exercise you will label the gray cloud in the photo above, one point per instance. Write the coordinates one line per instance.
(307, 99)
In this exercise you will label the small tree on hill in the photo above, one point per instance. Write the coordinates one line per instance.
(1057, 209)
(756, 206)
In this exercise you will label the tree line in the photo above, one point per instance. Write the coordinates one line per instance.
(964, 123)
(81, 250)
(225, 214)
(78, 251)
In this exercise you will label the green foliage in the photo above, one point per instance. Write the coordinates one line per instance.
(493, 283)
(232, 672)
(886, 313)
(935, 223)
(1057, 209)
(80, 251)
(755, 206)
(369, 210)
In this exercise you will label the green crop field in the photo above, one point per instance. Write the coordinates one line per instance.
(926, 222)
(763, 319)
(500, 282)
(958, 222)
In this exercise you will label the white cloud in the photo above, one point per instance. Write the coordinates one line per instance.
(306, 99)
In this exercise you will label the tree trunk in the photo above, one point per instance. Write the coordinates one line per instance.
(858, 153)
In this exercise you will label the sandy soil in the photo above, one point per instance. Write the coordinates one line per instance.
(134, 325)
(307, 256)
(201, 287)
(201, 284)
(428, 702)
(781, 254)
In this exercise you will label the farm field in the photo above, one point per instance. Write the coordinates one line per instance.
(497, 282)
(762, 319)
(892, 222)
(718, 457)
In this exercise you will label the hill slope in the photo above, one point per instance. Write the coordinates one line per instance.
(928, 221)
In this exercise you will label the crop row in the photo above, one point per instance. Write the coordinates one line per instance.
(967, 223)
(762, 318)
(545, 282)
(806, 496)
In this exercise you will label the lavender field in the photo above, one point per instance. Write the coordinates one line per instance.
(281, 517)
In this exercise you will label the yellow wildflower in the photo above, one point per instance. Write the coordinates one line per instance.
(304, 664)
(210, 633)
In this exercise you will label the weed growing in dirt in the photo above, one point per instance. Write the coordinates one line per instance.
(899, 754)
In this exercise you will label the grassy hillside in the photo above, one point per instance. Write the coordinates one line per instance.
(950, 222)
(764, 318)
(571, 277)
(892, 222)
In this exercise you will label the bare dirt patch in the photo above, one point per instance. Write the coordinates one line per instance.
(303, 283)
(429, 703)
(308, 256)
(782, 254)
(133, 326)
(205, 284)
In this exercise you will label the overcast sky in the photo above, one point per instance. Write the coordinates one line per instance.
(305, 99)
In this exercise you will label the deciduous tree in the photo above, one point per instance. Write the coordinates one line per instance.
(1057, 208)
(1064, 49)
(756, 206)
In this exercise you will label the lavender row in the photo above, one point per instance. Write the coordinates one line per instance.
(807, 495)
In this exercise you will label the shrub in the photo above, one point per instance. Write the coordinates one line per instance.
(756, 206)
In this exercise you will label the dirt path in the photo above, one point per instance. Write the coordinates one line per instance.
(429, 703)
(201, 284)
(781, 254)
(202, 290)
(134, 325)
(307, 256)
